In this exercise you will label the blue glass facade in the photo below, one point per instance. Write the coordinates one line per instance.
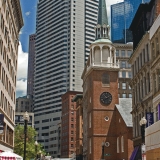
(121, 18)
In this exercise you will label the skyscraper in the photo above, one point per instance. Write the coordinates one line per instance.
(11, 22)
(63, 33)
(121, 17)
(31, 57)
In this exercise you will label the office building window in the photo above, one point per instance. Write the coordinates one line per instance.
(129, 52)
(123, 85)
(124, 95)
(123, 53)
(123, 64)
(123, 74)
(130, 95)
(117, 53)
(130, 74)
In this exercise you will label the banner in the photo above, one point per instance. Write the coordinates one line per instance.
(1, 123)
(149, 118)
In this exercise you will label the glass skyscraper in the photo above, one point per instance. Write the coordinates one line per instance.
(122, 15)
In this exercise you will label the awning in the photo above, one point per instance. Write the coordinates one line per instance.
(134, 153)
(7, 155)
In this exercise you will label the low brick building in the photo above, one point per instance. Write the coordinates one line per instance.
(68, 125)
(79, 126)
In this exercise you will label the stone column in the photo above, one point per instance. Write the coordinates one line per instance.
(101, 54)
(92, 55)
(115, 57)
(110, 54)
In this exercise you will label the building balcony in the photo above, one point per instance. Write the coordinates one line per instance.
(103, 65)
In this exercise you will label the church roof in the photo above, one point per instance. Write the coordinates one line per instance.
(125, 107)
(102, 13)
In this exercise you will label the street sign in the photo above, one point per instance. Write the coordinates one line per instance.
(107, 154)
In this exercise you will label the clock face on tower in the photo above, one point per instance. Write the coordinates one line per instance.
(106, 98)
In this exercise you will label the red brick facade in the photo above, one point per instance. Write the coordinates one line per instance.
(68, 134)
(100, 130)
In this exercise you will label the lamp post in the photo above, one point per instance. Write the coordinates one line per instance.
(103, 143)
(36, 144)
(26, 119)
(142, 123)
(40, 155)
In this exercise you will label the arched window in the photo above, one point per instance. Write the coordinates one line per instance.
(105, 79)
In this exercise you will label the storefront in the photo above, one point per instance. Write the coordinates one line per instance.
(153, 141)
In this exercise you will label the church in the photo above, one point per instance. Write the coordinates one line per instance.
(107, 122)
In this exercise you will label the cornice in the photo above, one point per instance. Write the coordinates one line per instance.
(121, 45)
(18, 11)
(138, 46)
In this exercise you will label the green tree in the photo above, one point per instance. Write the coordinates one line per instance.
(30, 142)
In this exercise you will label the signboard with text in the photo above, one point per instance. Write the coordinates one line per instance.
(19, 119)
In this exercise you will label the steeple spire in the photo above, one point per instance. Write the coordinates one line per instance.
(102, 13)
(102, 28)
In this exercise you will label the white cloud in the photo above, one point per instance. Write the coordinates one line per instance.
(22, 63)
(27, 13)
(22, 71)
(20, 32)
(21, 88)
(110, 2)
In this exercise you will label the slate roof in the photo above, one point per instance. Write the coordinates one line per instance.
(125, 107)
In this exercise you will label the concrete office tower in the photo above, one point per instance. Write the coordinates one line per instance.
(9, 31)
(91, 11)
(122, 15)
(31, 58)
(61, 30)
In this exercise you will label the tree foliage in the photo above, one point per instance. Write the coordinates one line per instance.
(30, 142)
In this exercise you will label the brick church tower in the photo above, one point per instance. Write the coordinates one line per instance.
(100, 94)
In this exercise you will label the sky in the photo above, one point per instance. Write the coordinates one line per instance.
(29, 8)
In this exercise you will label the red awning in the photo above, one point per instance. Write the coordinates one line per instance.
(7, 158)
